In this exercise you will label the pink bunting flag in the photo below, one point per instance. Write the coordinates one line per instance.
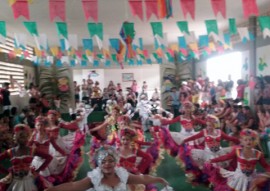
(184, 51)
(188, 6)
(79, 54)
(57, 9)
(219, 6)
(151, 8)
(12, 54)
(26, 54)
(250, 8)
(171, 52)
(90, 8)
(145, 53)
(59, 55)
(136, 8)
(20, 8)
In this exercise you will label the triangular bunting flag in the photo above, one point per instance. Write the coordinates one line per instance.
(244, 34)
(136, 8)
(31, 27)
(3, 30)
(211, 26)
(250, 8)
(57, 9)
(20, 8)
(62, 29)
(264, 22)
(232, 26)
(151, 8)
(183, 26)
(188, 6)
(219, 6)
(95, 29)
(157, 28)
(90, 8)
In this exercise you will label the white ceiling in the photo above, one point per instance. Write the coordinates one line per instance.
(112, 13)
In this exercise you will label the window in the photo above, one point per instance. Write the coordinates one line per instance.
(17, 73)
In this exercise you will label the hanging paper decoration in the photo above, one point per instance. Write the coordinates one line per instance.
(41, 41)
(264, 22)
(250, 8)
(244, 34)
(73, 41)
(127, 33)
(164, 8)
(20, 8)
(62, 29)
(219, 6)
(95, 29)
(90, 8)
(20, 40)
(151, 8)
(57, 9)
(262, 64)
(203, 41)
(188, 6)
(11, 2)
(31, 27)
(211, 26)
(157, 28)
(115, 44)
(3, 30)
(136, 8)
(183, 26)
(232, 26)
(88, 44)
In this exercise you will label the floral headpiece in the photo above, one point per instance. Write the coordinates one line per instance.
(40, 120)
(103, 152)
(21, 127)
(52, 112)
(214, 120)
(128, 132)
(249, 133)
(123, 118)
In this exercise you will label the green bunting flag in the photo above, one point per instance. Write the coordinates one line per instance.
(232, 26)
(62, 29)
(129, 29)
(211, 26)
(183, 26)
(31, 27)
(264, 22)
(157, 28)
(3, 30)
(96, 29)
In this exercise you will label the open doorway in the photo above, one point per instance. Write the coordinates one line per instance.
(221, 67)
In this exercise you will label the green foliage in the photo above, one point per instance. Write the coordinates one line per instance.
(48, 84)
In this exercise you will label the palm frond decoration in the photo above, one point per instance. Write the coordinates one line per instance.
(55, 81)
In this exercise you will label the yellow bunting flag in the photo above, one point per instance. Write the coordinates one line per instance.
(11, 2)
(17, 51)
(88, 52)
(193, 46)
(159, 52)
(38, 52)
(175, 47)
(55, 50)
(106, 53)
(139, 51)
(212, 46)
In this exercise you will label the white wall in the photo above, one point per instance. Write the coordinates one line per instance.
(263, 53)
(148, 73)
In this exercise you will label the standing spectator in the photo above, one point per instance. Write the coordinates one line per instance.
(134, 88)
(111, 88)
(228, 88)
(5, 96)
(240, 91)
(174, 96)
(118, 87)
(77, 92)
(85, 95)
(213, 93)
(266, 93)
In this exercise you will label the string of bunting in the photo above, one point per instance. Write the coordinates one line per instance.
(159, 8)
(128, 48)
